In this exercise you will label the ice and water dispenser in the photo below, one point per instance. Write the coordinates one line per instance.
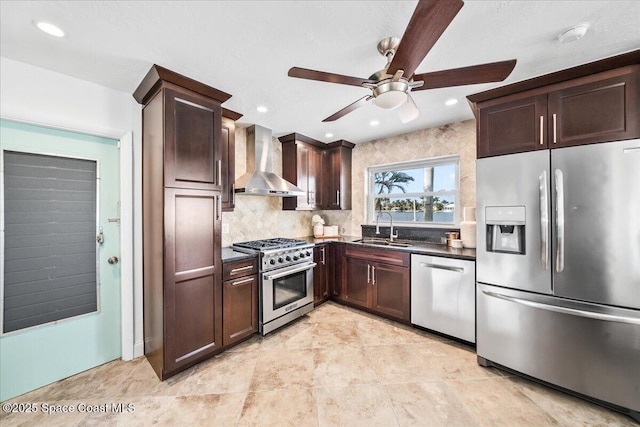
(505, 229)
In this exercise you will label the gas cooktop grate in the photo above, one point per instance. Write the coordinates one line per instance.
(276, 243)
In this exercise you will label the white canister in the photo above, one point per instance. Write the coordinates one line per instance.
(331, 230)
(468, 228)
(318, 230)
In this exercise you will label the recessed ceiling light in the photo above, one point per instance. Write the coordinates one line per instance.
(573, 33)
(374, 123)
(450, 102)
(328, 135)
(50, 29)
(262, 109)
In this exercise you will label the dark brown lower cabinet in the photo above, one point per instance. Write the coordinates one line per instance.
(322, 273)
(335, 285)
(390, 290)
(239, 300)
(182, 287)
(377, 280)
(240, 309)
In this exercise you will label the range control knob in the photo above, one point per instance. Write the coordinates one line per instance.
(288, 258)
(272, 261)
(301, 255)
(295, 257)
(307, 253)
(280, 260)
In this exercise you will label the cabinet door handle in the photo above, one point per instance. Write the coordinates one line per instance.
(236, 270)
(219, 171)
(554, 129)
(323, 256)
(239, 282)
(368, 274)
(541, 130)
(373, 275)
(218, 208)
(337, 197)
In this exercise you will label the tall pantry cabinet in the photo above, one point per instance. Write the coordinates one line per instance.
(182, 170)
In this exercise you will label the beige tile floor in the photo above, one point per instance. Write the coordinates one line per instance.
(334, 367)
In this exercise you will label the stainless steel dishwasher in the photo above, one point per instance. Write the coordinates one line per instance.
(443, 296)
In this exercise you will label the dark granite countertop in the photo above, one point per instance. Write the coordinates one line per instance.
(416, 246)
(228, 254)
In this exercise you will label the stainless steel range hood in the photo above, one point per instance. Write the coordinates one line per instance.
(260, 179)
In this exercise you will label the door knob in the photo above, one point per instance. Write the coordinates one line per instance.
(113, 260)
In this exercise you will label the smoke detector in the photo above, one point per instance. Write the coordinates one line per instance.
(573, 33)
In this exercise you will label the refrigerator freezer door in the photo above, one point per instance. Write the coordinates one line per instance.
(596, 217)
(443, 295)
(587, 348)
(516, 180)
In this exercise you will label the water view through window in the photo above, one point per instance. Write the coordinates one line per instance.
(422, 192)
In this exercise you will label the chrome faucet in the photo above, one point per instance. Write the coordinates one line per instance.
(391, 235)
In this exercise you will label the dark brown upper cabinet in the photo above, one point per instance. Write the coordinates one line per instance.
(193, 149)
(322, 170)
(592, 103)
(607, 109)
(512, 127)
(336, 192)
(182, 185)
(228, 150)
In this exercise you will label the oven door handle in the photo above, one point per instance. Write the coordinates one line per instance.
(292, 271)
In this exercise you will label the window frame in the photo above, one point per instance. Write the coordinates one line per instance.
(370, 194)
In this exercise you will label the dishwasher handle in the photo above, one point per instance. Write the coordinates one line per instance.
(442, 267)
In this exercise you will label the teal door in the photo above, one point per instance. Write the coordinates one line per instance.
(60, 295)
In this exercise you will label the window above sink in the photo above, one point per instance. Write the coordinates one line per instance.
(418, 193)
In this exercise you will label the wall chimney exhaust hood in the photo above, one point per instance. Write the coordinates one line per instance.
(260, 179)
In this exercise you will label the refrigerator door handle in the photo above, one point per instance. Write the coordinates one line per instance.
(565, 310)
(559, 221)
(544, 221)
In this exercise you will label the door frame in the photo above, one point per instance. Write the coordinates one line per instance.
(125, 144)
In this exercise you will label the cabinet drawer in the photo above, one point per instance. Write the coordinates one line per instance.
(233, 269)
(378, 255)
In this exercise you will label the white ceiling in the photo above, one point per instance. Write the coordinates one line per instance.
(245, 48)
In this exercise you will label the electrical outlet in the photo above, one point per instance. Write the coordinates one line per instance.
(225, 228)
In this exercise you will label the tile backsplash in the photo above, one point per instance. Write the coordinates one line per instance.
(257, 217)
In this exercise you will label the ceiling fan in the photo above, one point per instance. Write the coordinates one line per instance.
(390, 86)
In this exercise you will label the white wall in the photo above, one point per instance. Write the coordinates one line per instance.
(35, 95)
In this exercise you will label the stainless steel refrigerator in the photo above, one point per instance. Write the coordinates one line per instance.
(558, 268)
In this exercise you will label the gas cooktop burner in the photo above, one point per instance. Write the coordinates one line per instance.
(276, 243)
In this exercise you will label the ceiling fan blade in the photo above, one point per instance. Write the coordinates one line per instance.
(408, 111)
(484, 73)
(304, 73)
(349, 108)
(427, 24)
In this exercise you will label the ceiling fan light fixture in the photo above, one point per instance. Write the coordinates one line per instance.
(390, 94)
(450, 102)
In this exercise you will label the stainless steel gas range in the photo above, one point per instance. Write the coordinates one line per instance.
(286, 279)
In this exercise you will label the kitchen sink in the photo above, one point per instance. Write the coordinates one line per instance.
(382, 242)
